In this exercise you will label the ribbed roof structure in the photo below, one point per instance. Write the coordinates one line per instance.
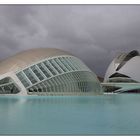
(28, 57)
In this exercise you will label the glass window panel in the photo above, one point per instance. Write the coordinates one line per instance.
(61, 65)
(76, 63)
(54, 64)
(65, 63)
(48, 89)
(50, 68)
(5, 80)
(30, 76)
(43, 70)
(23, 79)
(70, 82)
(44, 89)
(6, 88)
(37, 73)
(39, 88)
(51, 86)
(71, 64)
(13, 88)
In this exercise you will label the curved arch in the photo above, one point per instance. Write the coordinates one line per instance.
(129, 56)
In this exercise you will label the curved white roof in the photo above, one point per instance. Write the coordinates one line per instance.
(129, 66)
(132, 68)
(28, 57)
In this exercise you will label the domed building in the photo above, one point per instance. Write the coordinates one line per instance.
(47, 71)
(124, 72)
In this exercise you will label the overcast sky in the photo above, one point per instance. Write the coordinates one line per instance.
(94, 33)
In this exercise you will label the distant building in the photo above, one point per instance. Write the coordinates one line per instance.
(123, 74)
(46, 71)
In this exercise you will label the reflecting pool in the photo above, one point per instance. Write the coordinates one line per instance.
(70, 115)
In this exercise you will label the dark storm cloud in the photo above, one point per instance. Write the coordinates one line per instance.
(94, 33)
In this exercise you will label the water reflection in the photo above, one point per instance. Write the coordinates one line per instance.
(47, 99)
(105, 114)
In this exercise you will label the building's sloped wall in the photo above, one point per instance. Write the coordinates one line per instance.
(67, 84)
(59, 74)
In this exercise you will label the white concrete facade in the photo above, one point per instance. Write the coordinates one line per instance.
(38, 71)
(124, 70)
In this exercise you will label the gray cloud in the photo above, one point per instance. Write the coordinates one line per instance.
(94, 33)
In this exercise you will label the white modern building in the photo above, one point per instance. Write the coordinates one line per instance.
(123, 74)
(46, 71)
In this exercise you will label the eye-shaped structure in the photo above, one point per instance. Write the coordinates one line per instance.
(47, 71)
(124, 70)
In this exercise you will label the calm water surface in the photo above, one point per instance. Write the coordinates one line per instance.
(89, 115)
